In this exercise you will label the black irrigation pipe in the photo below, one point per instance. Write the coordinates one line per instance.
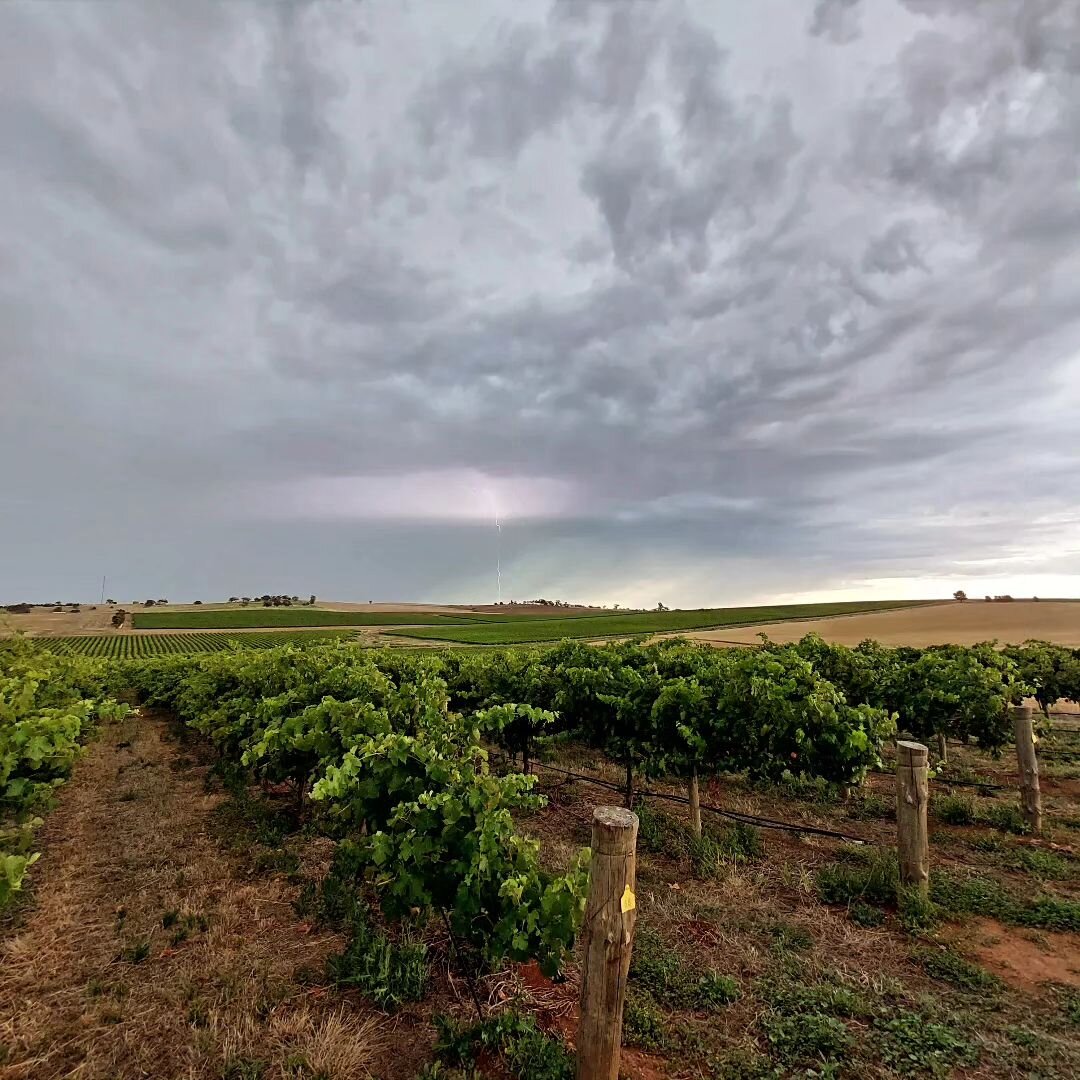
(732, 815)
(946, 780)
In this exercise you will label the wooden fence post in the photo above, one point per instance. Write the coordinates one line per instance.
(608, 936)
(1030, 796)
(912, 796)
(693, 791)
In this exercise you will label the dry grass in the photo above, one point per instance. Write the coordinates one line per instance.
(958, 624)
(150, 951)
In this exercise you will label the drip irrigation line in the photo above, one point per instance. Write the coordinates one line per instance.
(946, 780)
(732, 815)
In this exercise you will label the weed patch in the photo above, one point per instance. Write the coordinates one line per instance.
(528, 1053)
(952, 968)
(866, 875)
(658, 969)
(912, 1044)
(806, 1038)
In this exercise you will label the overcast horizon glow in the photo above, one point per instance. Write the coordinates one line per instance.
(711, 304)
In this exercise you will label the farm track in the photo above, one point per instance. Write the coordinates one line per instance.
(131, 847)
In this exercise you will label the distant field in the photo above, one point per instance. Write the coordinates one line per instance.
(657, 622)
(246, 618)
(941, 624)
(257, 617)
(135, 646)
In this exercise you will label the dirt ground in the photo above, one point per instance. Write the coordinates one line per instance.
(939, 624)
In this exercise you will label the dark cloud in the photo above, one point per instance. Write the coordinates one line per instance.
(837, 20)
(299, 294)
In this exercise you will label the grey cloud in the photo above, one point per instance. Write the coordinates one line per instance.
(760, 307)
(894, 251)
(838, 20)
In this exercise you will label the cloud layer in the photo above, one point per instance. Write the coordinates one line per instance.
(718, 308)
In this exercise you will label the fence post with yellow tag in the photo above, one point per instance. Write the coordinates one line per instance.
(1028, 762)
(608, 936)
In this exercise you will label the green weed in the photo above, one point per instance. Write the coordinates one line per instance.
(135, 954)
(866, 914)
(871, 806)
(528, 1053)
(1045, 865)
(914, 910)
(868, 875)
(243, 1069)
(660, 833)
(657, 968)
(952, 968)
(787, 937)
(806, 1038)
(914, 1044)
(388, 973)
(984, 896)
(643, 1024)
(954, 809)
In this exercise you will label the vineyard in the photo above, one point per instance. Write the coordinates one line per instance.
(258, 617)
(450, 864)
(485, 627)
(648, 622)
(136, 646)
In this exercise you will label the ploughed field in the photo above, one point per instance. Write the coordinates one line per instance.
(936, 624)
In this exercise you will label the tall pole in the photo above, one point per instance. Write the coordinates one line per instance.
(102, 589)
(498, 554)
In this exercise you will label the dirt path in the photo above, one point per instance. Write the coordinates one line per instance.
(152, 950)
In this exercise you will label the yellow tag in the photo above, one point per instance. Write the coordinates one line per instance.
(628, 903)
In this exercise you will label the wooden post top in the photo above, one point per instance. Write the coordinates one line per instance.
(912, 754)
(614, 830)
(1021, 710)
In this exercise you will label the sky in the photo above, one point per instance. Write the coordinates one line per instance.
(706, 303)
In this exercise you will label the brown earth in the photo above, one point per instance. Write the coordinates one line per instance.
(1025, 958)
(937, 624)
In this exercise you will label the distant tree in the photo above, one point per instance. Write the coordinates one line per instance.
(234, 599)
(1035, 598)
(311, 601)
(74, 609)
(959, 595)
(118, 618)
(110, 602)
(196, 601)
(148, 603)
(615, 608)
(18, 609)
(660, 607)
(296, 599)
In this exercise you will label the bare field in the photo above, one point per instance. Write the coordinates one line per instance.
(940, 624)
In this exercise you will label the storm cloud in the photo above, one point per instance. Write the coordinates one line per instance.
(707, 305)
